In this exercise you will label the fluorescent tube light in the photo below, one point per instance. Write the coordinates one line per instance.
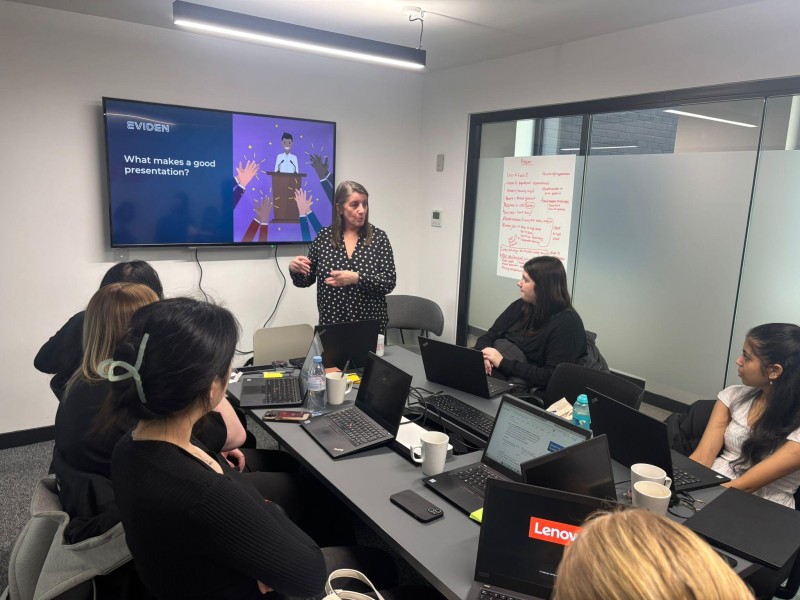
(256, 29)
(707, 118)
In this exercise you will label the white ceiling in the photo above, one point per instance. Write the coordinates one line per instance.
(457, 32)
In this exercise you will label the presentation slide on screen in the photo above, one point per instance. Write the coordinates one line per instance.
(181, 175)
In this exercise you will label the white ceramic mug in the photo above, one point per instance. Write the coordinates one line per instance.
(651, 496)
(379, 345)
(432, 452)
(646, 472)
(337, 385)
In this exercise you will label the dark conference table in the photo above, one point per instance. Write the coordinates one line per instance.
(442, 551)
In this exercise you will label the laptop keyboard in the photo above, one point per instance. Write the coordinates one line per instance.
(490, 595)
(497, 386)
(475, 477)
(462, 414)
(281, 390)
(357, 427)
(682, 477)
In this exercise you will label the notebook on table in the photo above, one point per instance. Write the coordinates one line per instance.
(374, 418)
(459, 368)
(521, 432)
(524, 532)
(343, 342)
(584, 469)
(634, 437)
(259, 391)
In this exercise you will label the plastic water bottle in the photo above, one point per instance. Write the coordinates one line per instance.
(580, 412)
(316, 387)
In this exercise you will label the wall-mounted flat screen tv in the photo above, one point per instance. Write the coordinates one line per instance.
(182, 176)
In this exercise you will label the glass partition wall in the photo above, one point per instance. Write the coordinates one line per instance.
(683, 210)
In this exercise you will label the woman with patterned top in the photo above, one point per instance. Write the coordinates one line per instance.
(753, 435)
(351, 262)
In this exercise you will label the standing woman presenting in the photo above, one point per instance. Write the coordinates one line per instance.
(351, 262)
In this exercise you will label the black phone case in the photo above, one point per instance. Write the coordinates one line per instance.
(415, 505)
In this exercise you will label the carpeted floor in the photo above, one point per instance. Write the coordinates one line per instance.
(20, 469)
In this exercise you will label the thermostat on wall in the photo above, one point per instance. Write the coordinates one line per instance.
(436, 217)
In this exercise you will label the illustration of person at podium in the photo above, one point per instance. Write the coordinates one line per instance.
(286, 162)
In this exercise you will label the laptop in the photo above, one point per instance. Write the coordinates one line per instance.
(459, 368)
(343, 342)
(277, 392)
(521, 432)
(634, 437)
(374, 418)
(517, 556)
(749, 526)
(583, 469)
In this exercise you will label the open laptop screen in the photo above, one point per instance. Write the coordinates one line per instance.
(382, 393)
(524, 532)
(584, 469)
(522, 432)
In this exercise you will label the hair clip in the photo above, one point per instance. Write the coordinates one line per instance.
(106, 368)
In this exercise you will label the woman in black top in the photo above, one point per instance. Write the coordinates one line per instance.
(537, 332)
(86, 430)
(351, 262)
(61, 355)
(196, 528)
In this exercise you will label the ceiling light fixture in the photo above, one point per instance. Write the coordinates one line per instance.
(256, 29)
(707, 118)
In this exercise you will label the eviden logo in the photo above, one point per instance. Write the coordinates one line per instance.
(553, 531)
(147, 126)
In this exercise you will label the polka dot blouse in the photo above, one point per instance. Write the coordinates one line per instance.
(363, 301)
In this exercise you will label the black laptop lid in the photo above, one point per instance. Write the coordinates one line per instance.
(583, 469)
(522, 431)
(454, 366)
(348, 341)
(382, 393)
(524, 532)
(747, 525)
(633, 437)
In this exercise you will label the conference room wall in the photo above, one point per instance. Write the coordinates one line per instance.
(55, 68)
(745, 43)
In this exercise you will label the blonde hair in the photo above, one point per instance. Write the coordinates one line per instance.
(639, 555)
(107, 317)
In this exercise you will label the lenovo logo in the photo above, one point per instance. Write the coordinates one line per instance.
(553, 531)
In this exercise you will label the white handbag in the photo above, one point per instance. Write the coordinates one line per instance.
(333, 594)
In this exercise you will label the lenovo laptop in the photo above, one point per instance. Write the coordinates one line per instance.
(374, 418)
(259, 391)
(634, 437)
(524, 532)
(343, 342)
(583, 469)
(521, 432)
(459, 368)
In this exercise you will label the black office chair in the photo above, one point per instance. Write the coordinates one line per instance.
(414, 312)
(569, 380)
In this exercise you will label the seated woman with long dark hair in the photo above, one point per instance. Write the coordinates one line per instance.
(538, 331)
(86, 428)
(753, 435)
(195, 526)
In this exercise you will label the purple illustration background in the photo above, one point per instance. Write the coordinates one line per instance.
(259, 138)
